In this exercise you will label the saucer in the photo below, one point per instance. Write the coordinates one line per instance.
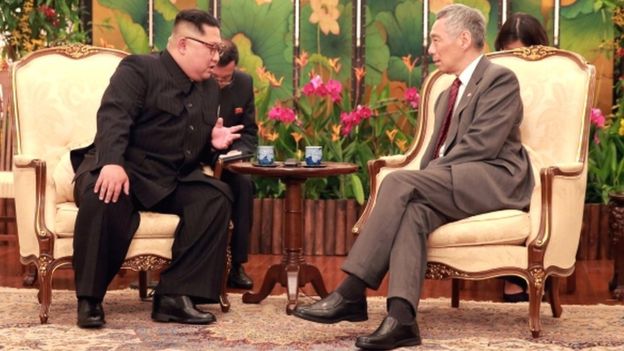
(272, 165)
(315, 166)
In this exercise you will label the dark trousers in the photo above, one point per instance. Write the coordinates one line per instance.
(103, 233)
(409, 206)
(242, 214)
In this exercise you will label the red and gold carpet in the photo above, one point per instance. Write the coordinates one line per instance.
(474, 326)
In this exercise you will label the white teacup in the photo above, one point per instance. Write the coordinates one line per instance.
(266, 155)
(313, 155)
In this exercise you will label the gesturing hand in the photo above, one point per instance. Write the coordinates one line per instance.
(223, 137)
(112, 180)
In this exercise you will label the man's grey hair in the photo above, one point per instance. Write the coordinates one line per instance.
(460, 18)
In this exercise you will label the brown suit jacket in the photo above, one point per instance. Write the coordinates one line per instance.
(490, 168)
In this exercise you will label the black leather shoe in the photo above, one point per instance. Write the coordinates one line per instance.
(332, 309)
(238, 279)
(389, 335)
(90, 313)
(179, 309)
(517, 297)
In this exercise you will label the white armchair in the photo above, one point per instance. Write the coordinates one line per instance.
(56, 94)
(557, 89)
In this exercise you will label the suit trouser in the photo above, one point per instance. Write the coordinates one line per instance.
(103, 233)
(242, 214)
(409, 206)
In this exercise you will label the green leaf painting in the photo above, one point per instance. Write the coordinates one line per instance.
(328, 45)
(266, 27)
(404, 33)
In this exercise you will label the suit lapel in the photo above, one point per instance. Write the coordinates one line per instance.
(466, 99)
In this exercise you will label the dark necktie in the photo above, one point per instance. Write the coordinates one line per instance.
(447, 119)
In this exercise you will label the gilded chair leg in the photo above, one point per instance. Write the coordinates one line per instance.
(535, 300)
(553, 296)
(45, 291)
(223, 297)
(455, 292)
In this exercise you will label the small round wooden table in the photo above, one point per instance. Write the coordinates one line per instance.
(293, 272)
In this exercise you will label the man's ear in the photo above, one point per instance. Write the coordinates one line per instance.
(465, 39)
(180, 45)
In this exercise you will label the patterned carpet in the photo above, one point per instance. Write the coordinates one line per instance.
(474, 326)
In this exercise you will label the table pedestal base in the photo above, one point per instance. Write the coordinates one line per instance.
(292, 277)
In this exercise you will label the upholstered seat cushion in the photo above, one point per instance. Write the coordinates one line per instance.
(153, 225)
(511, 227)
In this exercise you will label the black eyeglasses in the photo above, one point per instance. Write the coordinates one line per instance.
(213, 48)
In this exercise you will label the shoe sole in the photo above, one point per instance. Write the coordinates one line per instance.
(91, 325)
(349, 318)
(408, 342)
(165, 318)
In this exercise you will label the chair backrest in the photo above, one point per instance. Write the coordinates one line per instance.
(557, 89)
(57, 92)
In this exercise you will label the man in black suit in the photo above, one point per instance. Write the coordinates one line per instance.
(156, 124)
(236, 106)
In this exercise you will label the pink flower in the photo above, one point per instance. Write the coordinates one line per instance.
(363, 112)
(315, 87)
(412, 97)
(597, 118)
(334, 90)
(348, 121)
(282, 114)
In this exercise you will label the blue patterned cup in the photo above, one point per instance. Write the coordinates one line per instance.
(266, 155)
(313, 155)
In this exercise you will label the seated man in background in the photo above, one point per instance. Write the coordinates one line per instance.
(236, 106)
(474, 163)
(156, 123)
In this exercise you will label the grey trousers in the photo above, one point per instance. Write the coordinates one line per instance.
(409, 206)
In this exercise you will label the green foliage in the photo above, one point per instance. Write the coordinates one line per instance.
(347, 133)
(606, 150)
(33, 24)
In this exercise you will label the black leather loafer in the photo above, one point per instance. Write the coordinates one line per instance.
(178, 309)
(390, 334)
(332, 309)
(90, 314)
(238, 279)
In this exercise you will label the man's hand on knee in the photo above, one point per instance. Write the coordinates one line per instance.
(112, 180)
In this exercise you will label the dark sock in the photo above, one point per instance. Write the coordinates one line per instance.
(401, 310)
(352, 288)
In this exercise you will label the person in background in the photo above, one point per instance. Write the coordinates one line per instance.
(156, 125)
(236, 106)
(520, 30)
(474, 163)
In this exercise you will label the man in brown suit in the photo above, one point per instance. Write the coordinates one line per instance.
(474, 163)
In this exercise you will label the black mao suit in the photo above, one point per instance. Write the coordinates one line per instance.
(155, 123)
(237, 107)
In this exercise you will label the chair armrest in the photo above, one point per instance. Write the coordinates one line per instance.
(24, 160)
(562, 230)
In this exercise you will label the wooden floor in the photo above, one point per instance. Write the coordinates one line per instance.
(592, 278)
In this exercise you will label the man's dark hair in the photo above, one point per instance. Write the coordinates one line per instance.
(523, 27)
(197, 18)
(230, 53)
